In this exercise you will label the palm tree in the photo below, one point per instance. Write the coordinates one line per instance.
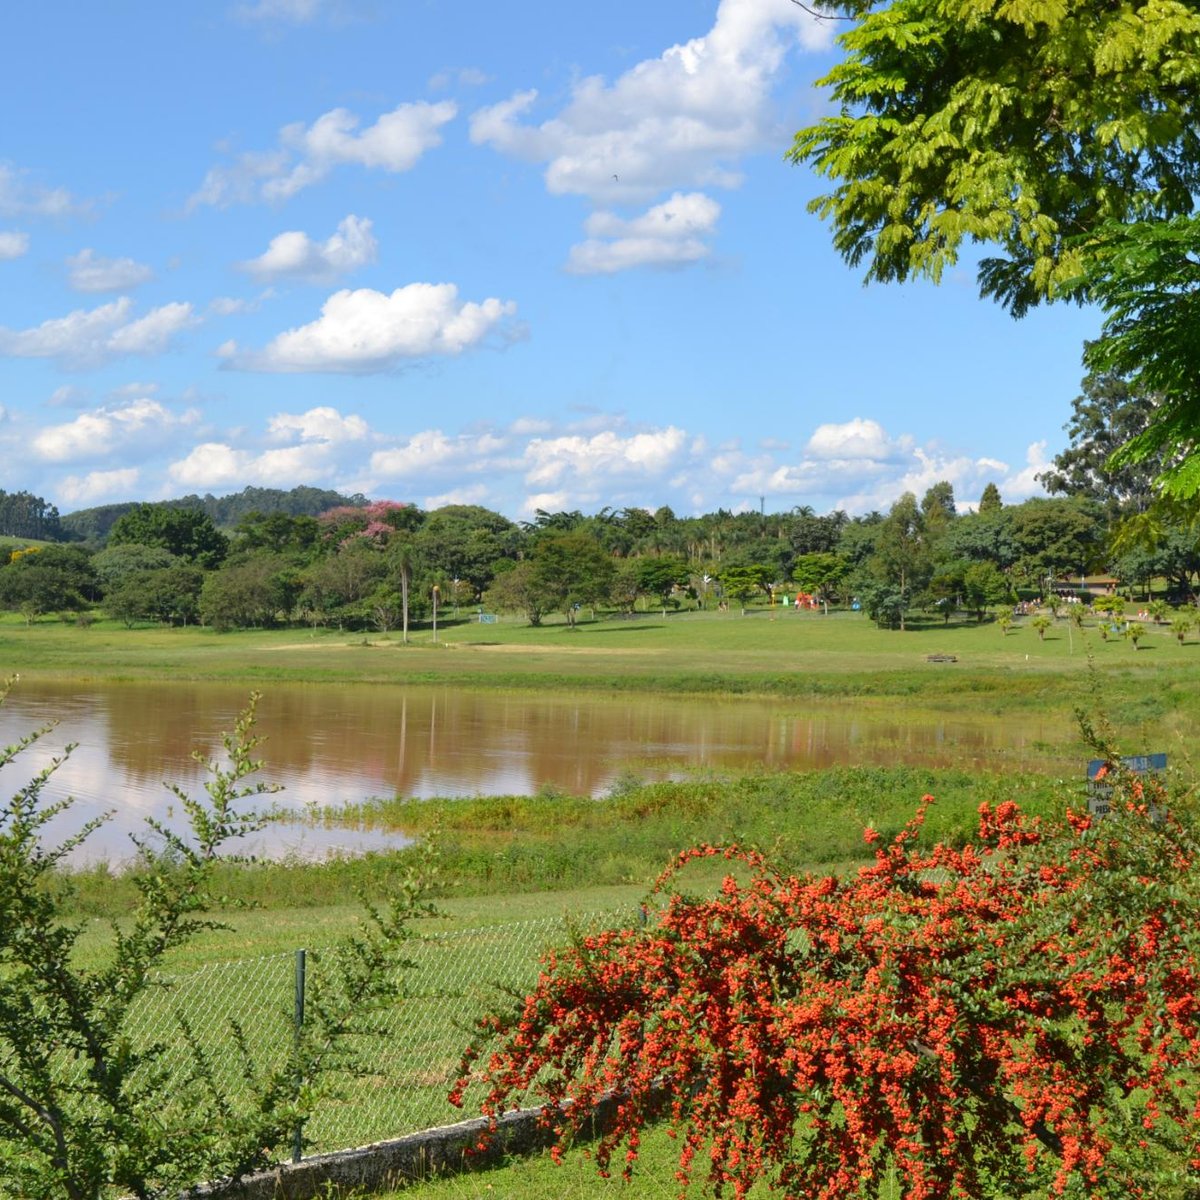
(403, 559)
(1135, 631)
(1041, 624)
(1180, 624)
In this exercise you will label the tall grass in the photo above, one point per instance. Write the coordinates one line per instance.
(554, 842)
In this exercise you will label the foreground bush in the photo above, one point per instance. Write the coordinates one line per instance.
(85, 1110)
(1016, 1017)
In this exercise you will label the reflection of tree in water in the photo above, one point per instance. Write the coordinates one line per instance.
(333, 743)
(153, 728)
(384, 740)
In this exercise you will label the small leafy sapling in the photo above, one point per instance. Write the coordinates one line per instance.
(85, 1109)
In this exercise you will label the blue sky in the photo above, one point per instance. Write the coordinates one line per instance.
(531, 255)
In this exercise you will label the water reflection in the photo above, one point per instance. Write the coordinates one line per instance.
(328, 744)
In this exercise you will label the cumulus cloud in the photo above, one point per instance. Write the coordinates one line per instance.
(13, 244)
(211, 464)
(855, 440)
(668, 235)
(87, 272)
(324, 444)
(98, 485)
(608, 454)
(219, 464)
(86, 338)
(858, 466)
(475, 494)
(294, 255)
(684, 119)
(432, 451)
(366, 331)
(318, 424)
(104, 431)
(21, 195)
(307, 154)
(1023, 483)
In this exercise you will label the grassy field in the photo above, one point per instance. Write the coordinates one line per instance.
(699, 651)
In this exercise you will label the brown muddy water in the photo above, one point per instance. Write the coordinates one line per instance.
(329, 744)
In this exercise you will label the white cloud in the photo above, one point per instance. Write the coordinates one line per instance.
(476, 494)
(544, 501)
(432, 451)
(294, 255)
(218, 464)
(211, 464)
(89, 273)
(529, 425)
(96, 434)
(88, 338)
(98, 485)
(366, 331)
(324, 444)
(1022, 484)
(856, 439)
(151, 334)
(683, 119)
(306, 154)
(318, 424)
(606, 454)
(21, 196)
(670, 234)
(13, 244)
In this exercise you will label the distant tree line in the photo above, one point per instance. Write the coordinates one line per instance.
(320, 558)
(94, 524)
(23, 515)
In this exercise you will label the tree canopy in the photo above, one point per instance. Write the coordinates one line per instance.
(1062, 134)
(1021, 126)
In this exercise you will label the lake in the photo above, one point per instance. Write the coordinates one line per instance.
(327, 744)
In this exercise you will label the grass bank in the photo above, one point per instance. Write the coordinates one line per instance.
(512, 858)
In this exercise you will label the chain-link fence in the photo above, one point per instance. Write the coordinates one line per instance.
(404, 1066)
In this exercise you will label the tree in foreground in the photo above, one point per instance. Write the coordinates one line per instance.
(88, 1111)
(1066, 137)
(1017, 1017)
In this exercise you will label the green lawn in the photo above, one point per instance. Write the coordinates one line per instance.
(766, 651)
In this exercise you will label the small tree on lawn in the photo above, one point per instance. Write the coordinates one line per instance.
(1135, 631)
(1181, 622)
(1013, 1018)
(1005, 621)
(1159, 611)
(1041, 624)
(743, 582)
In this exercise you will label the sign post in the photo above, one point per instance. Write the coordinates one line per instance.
(1100, 791)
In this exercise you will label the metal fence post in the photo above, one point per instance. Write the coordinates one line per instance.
(298, 1025)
